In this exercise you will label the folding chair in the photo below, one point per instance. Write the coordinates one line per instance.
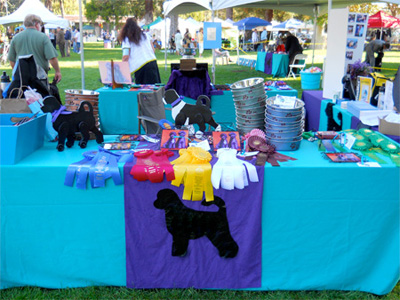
(299, 63)
(151, 110)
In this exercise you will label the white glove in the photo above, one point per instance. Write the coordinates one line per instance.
(230, 172)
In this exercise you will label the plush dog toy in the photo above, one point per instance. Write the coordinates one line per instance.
(67, 123)
(187, 114)
(184, 223)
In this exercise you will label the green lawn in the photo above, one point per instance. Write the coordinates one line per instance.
(71, 67)
(71, 71)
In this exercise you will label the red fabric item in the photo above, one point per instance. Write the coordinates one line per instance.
(383, 20)
(280, 48)
(151, 165)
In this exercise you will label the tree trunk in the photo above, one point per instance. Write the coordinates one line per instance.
(148, 16)
(229, 13)
(269, 14)
(48, 4)
(62, 8)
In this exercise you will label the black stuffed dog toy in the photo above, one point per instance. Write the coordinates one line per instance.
(67, 123)
(184, 223)
(186, 114)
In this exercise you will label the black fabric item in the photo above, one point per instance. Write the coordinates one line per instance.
(148, 74)
(332, 125)
(27, 69)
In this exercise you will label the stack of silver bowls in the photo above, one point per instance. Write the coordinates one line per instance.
(249, 98)
(284, 123)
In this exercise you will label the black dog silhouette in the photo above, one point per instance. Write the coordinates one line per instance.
(184, 223)
(186, 114)
(66, 125)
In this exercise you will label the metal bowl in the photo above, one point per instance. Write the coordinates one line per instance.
(242, 105)
(249, 83)
(284, 119)
(283, 128)
(250, 116)
(289, 124)
(275, 134)
(274, 104)
(283, 145)
(82, 92)
(284, 114)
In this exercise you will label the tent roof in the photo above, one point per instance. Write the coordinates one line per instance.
(159, 19)
(33, 7)
(290, 24)
(185, 6)
(383, 20)
(250, 23)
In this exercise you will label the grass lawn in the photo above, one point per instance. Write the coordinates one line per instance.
(71, 72)
(225, 74)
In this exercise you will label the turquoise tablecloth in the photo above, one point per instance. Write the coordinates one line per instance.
(325, 226)
(118, 109)
(280, 64)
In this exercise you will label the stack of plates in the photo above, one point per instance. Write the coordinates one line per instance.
(249, 98)
(284, 122)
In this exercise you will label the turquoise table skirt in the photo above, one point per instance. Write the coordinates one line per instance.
(325, 226)
(280, 64)
(118, 109)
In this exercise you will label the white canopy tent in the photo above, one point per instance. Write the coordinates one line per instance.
(33, 7)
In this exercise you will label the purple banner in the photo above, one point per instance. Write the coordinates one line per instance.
(268, 63)
(216, 256)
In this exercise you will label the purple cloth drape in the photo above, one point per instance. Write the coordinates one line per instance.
(312, 100)
(149, 263)
(268, 63)
(190, 84)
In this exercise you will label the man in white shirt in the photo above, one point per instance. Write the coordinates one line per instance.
(264, 37)
(77, 37)
(254, 39)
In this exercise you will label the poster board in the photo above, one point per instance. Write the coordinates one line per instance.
(212, 35)
(122, 73)
(356, 32)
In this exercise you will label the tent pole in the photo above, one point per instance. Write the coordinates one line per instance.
(382, 33)
(166, 43)
(81, 48)
(237, 46)
(315, 32)
(213, 50)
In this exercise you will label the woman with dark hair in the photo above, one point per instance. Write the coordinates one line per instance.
(138, 50)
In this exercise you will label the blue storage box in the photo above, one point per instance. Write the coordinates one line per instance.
(310, 81)
(17, 142)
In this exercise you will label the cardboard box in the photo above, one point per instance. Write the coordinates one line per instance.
(188, 64)
(17, 142)
(386, 127)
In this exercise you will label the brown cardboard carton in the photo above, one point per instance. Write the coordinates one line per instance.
(386, 127)
(188, 64)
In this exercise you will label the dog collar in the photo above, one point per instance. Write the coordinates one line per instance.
(60, 111)
(177, 101)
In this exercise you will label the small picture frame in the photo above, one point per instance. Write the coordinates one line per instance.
(349, 55)
(226, 139)
(359, 30)
(343, 157)
(352, 43)
(174, 139)
(364, 89)
(129, 137)
(350, 30)
(352, 18)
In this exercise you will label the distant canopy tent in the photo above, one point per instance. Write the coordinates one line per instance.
(290, 24)
(88, 27)
(156, 21)
(33, 7)
(250, 23)
(383, 20)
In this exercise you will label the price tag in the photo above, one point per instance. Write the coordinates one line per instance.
(350, 140)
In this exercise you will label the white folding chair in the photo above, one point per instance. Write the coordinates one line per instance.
(299, 63)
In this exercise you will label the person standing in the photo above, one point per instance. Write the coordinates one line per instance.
(200, 40)
(138, 50)
(292, 46)
(78, 41)
(375, 46)
(263, 38)
(178, 42)
(254, 39)
(52, 37)
(67, 38)
(61, 41)
(33, 41)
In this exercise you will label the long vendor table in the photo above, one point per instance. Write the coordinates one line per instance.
(118, 108)
(325, 226)
(273, 63)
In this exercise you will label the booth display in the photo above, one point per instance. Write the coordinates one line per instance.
(273, 63)
(231, 209)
